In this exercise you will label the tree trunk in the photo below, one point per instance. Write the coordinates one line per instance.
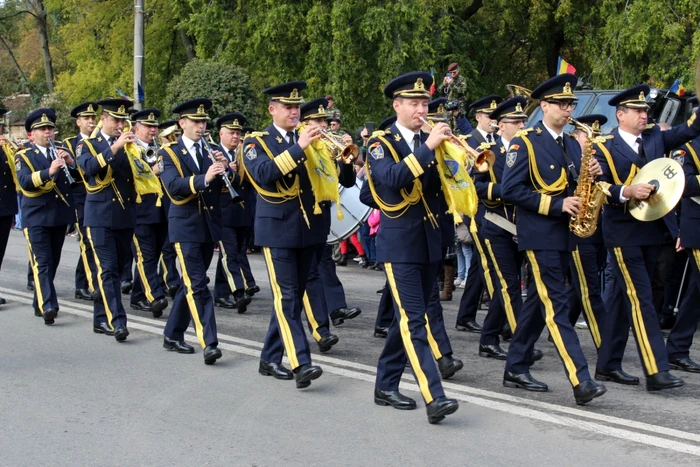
(14, 61)
(187, 44)
(42, 27)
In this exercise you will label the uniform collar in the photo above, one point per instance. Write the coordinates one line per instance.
(407, 134)
(505, 143)
(42, 149)
(83, 136)
(554, 134)
(188, 142)
(629, 138)
(282, 131)
(484, 134)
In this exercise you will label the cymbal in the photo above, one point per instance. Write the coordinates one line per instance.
(668, 178)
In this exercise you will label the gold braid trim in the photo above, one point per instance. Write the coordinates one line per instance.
(178, 167)
(49, 186)
(538, 182)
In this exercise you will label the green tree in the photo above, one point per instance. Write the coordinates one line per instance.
(226, 85)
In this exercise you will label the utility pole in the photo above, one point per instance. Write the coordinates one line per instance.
(138, 55)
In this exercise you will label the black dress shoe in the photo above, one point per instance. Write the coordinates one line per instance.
(172, 291)
(341, 314)
(50, 316)
(30, 285)
(343, 261)
(470, 326)
(126, 287)
(252, 290)
(380, 332)
(616, 376)
(380, 291)
(536, 355)
(492, 351)
(2, 301)
(102, 328)
(240, 302)
(588, 390)
(211, 354)
(394, 399)
(224, 303)
(177, 346)
(274, 369)
(158, 306)
(83, 294)
(663, 380)
(440, 408)
(37, 313)
(141, 305)
(523, 381)
(326, 342)
(120, 333)
(448, 366)
(307, 373)
(684, 364)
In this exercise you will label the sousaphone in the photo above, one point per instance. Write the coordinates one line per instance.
(668, 179)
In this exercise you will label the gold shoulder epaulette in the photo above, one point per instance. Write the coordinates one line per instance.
(602, 139)
(256, 134)
(570, 135)
(524, 132)
(167, 145)
(379, 133)
(650, 126)
(486, 145)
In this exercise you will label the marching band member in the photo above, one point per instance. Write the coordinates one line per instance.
(46, 207)
(193, 182)
(634, 245)
(322, 270)
(681, 336)
(109, 212)
(8, 189)
(499, 245)
(151, 231)
(405, 184)
(482, 136)
(539, 179)
(287, 227)
(589, 257)
(236, 220)
(84, 115)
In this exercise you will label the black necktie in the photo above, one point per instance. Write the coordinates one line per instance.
(290, 137)
(640, 149)
(489, 137)
(569, 163)
(111, 140)
(198, 153)
(49, 155)
(416, 142)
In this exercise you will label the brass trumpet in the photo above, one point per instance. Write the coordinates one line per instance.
(341, 152)
(480, 161)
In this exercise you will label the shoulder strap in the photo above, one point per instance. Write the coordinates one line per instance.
(613, 170)
(101, 183)
(537, 181)
(176, 162)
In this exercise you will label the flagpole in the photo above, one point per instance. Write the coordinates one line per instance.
(138, 53)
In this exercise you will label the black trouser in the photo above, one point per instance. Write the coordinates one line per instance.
(44, 246)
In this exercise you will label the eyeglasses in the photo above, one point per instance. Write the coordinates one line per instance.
(564, 105)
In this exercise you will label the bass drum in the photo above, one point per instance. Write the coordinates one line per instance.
(354, 214)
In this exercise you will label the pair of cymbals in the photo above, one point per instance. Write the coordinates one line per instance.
(667, 176)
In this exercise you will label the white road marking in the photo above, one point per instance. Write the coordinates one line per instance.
(535, 410)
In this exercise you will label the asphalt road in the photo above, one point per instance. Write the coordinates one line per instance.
(71, 397)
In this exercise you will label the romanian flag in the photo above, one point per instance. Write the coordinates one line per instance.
(677, 88)
(432, 86)
(565, 67)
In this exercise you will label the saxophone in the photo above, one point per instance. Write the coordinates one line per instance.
(591, 193)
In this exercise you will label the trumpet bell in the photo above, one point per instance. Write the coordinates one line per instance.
(484, 161)
(349, 154)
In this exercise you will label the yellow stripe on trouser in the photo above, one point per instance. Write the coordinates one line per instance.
(35, 273)
(142, 272)
(83, 257)
(585, 299)
(224, 266)
(99, 279)
(198, 328)
(434, 347)
(245, 282)
(406, 337)
(282, 323)
(507, 305)
(484, 265)
(165, 270)
(549, 319)
(310, 316)
(637, 317)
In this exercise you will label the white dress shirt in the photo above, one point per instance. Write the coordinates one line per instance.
(407, 135)
(189, 145)
(631, 141)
